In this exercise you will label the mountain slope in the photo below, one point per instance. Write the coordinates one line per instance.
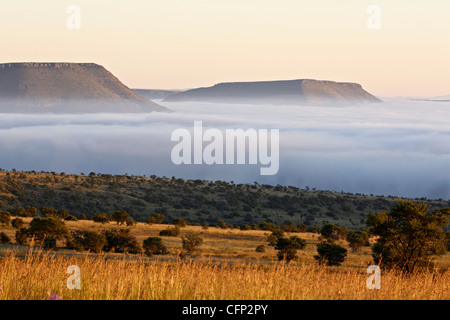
(66, 87)
(303, 91)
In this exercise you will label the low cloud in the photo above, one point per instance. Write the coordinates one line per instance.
(395, 148)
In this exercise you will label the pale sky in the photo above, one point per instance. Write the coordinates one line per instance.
(178, 44)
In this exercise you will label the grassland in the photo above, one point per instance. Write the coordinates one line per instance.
(226, 267)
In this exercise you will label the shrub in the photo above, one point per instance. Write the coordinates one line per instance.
(274, 236)
(330, 253)
(244, 227)
(121, 241)
(180, 223)
(191, 242)
(287, 247)
(357, 239)
(170, 232)
(70, 218)
(87, 240)
(17, 223)
(333, 232)
(42, 228)
(120, 217)
(100, 218)
(82, 217)
(154, 245)
(5, 218)
(130, 222)
(4, 239)
(155, 218)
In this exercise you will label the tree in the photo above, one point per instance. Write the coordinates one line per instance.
(330, 253)
(333, 232)
(5, 218)
(408, 235)
(42, 228)
(287, 247)
(155, 218)
(121, 241)
(82, 217)
(100, 217)
(17, 223)
(4, 239)
(87, 240)
(180, 223)
(120, 217)
(191, 242)
(22, 236)
(154, 245)
(357, 239)
(274, 236)
(170, 232)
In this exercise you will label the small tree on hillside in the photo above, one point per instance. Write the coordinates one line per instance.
(191, 242)
(154, 245)
(408, 235)
(5, 218)
(155, 218)
(358, 239)
(120, 217)
(42, 228)
(17, 223)
(287, 247)
(330, 253)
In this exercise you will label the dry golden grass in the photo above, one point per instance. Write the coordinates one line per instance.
(227, 267)
(40, 274)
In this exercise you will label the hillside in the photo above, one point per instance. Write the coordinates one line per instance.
(197, 201)
(296, 92)
(66, 88)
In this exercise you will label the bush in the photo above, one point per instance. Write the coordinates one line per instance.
(82, 217)
(42, 228)
(170, 232)
(155, 218)
(274, 236)
(70, 218)
(120, 217)
(191, 242)
(5, 218)
(180, 223)
(87, 240)
(100, 218)
(130, 222)
(287, 247)
(333, 232)
(330, 253)
(357, 239)
(17, 223)
(154, 245)
(261, 248)
(121, 241)
(4, 239)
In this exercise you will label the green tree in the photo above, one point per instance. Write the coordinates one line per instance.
(120, 217)
(100, 218)
(191, 242)
(287, 247)
(121, 241)
(5, 218)
(330, 253)
(333, 232)
(409, 235)
(357, 239)
(87, 240)
(17, 223)
(42, 228)
(4, 239)
(154, 245)
(155, 218)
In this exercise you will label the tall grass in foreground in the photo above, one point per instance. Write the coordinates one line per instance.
(39, 274)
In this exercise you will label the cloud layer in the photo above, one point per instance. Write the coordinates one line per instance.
(395, 148)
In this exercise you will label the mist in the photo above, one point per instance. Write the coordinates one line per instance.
(399, 147)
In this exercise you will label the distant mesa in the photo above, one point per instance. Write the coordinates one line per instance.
(292, 92)
(67, 88)
(155, 93)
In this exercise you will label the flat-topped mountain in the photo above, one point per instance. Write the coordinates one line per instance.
(66, 88)
(303, 91)
(155, 93)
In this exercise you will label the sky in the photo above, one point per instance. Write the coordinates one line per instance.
(180, 44)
